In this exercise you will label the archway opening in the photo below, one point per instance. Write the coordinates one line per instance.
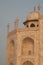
(32, 25)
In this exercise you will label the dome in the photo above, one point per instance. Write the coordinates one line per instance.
(32, 16)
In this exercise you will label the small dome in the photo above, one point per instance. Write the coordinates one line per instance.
(32, 16)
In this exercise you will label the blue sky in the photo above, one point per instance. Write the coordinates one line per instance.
(9, 11)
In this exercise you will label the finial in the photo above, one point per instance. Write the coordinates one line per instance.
(34, 8)
(16, 23)
(8, 27)
(39, 6)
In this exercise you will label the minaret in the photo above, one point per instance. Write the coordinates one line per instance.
(7, 28)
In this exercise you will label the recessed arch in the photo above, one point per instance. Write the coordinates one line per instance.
(12, 42)
(27, 63)
(27, 46)
(12, 49)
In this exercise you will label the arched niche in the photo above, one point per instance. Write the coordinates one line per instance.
(12, 46)
(27, 46)
(12, 49)
(28, 63)
(12, 42)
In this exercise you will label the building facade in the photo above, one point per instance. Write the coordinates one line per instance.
(25, 45)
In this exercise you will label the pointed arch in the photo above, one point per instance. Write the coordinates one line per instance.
(28, 63)
(32, 25)
(27, 46)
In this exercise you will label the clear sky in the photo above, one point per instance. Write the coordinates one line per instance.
(9, 10)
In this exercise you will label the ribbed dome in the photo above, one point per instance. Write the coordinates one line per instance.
(32, 16)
